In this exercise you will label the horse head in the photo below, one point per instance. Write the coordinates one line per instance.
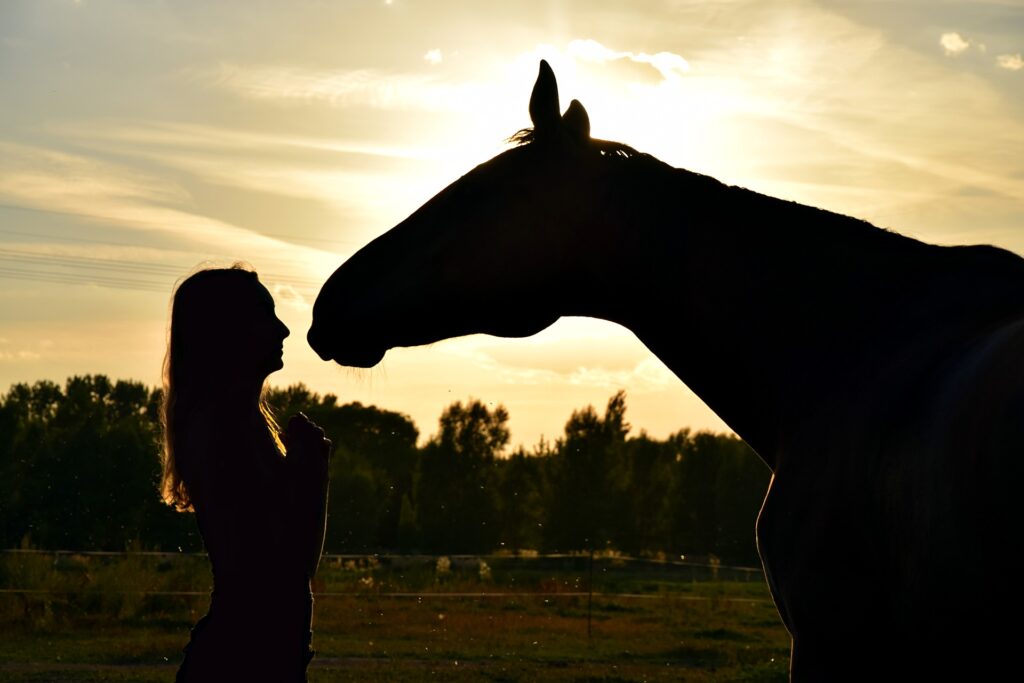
(495, 252)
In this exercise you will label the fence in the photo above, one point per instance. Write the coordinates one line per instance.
(70, 571)
(42, 591)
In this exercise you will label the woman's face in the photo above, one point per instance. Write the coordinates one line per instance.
(262, 335)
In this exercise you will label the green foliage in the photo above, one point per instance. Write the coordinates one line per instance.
(647, 476)
(718, 486)
(79, 467)
(456, 496)
(520, 486)
(586, 484)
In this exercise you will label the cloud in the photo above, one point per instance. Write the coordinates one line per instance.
(56, 181)
(371, 88)
(130, 135)
(290, 295)
(954, 44)
(668, 64)
(19, 356)
(109, 194)
(1011, 62)
(389, 90)
(648, 375)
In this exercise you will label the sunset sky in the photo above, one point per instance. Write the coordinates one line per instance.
(138, 139)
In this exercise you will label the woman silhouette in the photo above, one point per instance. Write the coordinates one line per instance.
(260, 496)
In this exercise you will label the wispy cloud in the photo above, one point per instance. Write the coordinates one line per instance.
(648, 375)
(670, 65)
(371, 88)
(390, 90)
(53, 180)
(208, 138)
(98, 192)
(19, 355)
(954, 44)
(1010, 62)
(290, 295)
(352, 184)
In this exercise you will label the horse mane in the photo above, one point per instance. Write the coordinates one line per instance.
(641, 160)
(606, 148)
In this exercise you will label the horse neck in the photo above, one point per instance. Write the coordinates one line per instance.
(769, 310)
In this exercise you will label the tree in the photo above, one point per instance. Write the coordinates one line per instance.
(643, 518)
(741, 483)
(719, 484)
(583, 489)
(86, 463)
(456, 494)
(519, 496)
(79, 468)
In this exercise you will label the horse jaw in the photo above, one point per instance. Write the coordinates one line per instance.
(357, 358)
(359, 352)
(518, 328)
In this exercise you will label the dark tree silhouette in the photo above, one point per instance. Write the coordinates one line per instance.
(456, 499)
(583, 483)
(79, 466)
(520, 499)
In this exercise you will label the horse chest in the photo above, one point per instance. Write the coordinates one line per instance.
(812, 540)
(893, 531)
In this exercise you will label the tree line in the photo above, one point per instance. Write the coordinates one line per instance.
(79, 467)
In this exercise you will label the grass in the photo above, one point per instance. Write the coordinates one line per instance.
(531, 625)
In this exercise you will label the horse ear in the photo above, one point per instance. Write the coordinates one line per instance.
(576, 121)
(544, 100)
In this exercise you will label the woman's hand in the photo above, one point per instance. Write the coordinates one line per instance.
(306, 443)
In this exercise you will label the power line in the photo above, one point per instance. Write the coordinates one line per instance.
(122, 265)
(283, 262)
(71, 279)
(106, 219)
(111, 272)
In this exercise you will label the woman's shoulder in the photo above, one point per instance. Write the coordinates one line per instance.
(228, 455)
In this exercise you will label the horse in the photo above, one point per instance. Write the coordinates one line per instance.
(878, 377)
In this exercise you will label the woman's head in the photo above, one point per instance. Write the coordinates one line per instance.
(223, 327)
(224, 339)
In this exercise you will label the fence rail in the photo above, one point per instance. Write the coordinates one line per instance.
(557, 566)
(410, 558)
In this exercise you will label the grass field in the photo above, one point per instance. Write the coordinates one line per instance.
(406, 619)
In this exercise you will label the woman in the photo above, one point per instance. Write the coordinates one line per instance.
(260, 496)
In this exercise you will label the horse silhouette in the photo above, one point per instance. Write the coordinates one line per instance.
(879, 377)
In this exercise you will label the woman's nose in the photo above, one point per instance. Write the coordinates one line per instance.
(284, 329)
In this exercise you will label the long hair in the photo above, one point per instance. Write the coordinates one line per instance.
(200, 340)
